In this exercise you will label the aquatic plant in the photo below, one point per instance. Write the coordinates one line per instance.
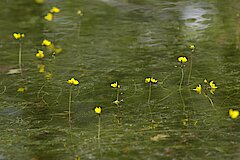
(19, 37)
(98, 111)
(150, 81)
(233, 113)
(192, 48)
(205, 88)
(116, 86)
(71, 82)
(182, 61)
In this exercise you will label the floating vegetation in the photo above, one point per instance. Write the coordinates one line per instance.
(36, 106)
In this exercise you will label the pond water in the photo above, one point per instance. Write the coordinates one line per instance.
(124, 41)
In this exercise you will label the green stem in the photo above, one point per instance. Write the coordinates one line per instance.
(190, 69)
(20, 56)
(180, 89)
(69, 104)
(210, 100)
(149, 98)
(99, 129)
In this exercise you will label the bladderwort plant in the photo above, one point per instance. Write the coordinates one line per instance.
(19, 37)
(205, 89)
(72, 82)
(150, 81)
(117, 86)
(192, 48)
(182, 61)
(98, 111)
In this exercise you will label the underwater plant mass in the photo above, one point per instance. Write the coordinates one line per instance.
(119, 79)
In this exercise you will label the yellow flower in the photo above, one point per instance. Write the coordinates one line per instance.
(182, 59)
(147, 80)
(115, 85)
(21, 89)
(79, 12)
(40, 54)
(18, 35)
(73, 81)
(192, 47)
(49, 17)
(213, 87)
(198, 89)
(54, 10)
(46, 42)
(98, 110)
(41, 68)
(233, 113)
(153, 80)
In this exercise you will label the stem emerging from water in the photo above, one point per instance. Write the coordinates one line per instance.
(69, 104)
(210, 100)
(149, 98)
(190, 69)
(180, 89)
(20, 56)
(98, 136)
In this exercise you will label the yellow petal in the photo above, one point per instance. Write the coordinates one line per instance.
(98, 110)
(182, 59)
(147, 80)
(233, 113)
(198, 89)
(153, 80)
(46, 42)
(17, 35)
(40, 54)
(114, 85)
(55, 10)
(49, 17)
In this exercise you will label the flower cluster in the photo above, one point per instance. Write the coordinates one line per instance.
(73, 81)
(50, 14)
(208, 86)
(150, 80)
(18, 35)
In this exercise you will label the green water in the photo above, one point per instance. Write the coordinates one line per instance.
(124, 41)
